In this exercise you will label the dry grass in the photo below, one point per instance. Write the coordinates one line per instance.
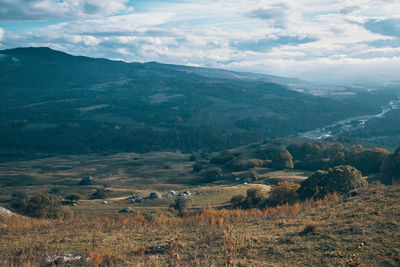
(363, 229)
(123, 172)
(119, 170)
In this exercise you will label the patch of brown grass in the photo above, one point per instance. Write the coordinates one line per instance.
(324, 232)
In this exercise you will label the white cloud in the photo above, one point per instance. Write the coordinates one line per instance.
(27, 10)
(291, 38)
(1, 33)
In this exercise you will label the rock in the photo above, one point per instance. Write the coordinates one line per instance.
(154, 195)
(4, 211)
(105, 202)
(165, 195)
(188, 193)
(157, 250)
(63, 258)
(139, 200)
(125, 210)
(86, 181)
(173, 193)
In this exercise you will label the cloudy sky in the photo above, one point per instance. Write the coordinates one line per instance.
(310, 39)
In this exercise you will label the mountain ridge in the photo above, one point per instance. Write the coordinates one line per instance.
(81, 104)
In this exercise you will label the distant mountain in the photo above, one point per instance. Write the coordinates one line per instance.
(53, 101)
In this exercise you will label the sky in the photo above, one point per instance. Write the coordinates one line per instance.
(319, 40)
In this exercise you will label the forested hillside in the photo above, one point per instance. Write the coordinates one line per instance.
(55, 102)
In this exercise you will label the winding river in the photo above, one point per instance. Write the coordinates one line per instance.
(349, 124)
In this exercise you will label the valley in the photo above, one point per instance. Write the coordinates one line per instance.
(345, 127)
(135, 107)
(109, 163)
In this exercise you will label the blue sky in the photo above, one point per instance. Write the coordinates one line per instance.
(310, 39)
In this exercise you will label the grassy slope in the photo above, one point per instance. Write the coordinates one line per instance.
(359, 229)
(131, 173)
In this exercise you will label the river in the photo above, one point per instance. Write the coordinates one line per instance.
(348, 125)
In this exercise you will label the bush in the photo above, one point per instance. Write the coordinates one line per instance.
(255, 198)
(99, 194)
(282, 160)
(243, 164)
(391, 167)
(340, 179)
(74, 198)
(211, 174)
(268, 152)
(237, 200)
(180, 204)
(368, 161)
(199, 165)
(305, 150)
(44, 206)
(223, 157)
(310, 228)
(283, 193)
(19, 201)
(333, 149)
(313, 164)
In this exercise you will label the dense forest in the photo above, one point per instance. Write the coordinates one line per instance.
(55, 102)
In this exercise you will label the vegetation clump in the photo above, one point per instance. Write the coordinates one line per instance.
(282, 160)
(255, 198)
(283, 193)
(368, 161)
(391, 167)
(44, 206)
(268, 152)
(199, 165)
(224, 157)
(340, 179)
(74, 198)
(19, 201)
(180, 205)
(243, 163)
(237, 200)
(100, 193)
(319, 156)
(211, 174)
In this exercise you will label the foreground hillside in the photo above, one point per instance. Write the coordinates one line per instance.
(55, 102)
(360, 229)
